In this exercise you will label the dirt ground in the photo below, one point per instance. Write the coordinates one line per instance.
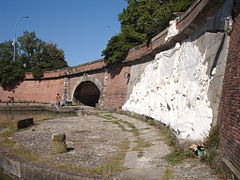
(112, 145)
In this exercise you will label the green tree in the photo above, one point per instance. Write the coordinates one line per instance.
(32, 55)
(10, 73)
(140, 21)
(38, 55)
(6, 50)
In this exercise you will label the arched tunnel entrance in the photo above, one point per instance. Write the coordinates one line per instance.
(87, 93)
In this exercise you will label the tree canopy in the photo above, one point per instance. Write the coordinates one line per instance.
(140, 21)
(32, 55)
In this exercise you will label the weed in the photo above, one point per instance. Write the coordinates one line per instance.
(168, 174)
(141, 144)
(75, 140)
(142, 118)
(169, 137)
(114, 163)
(19, 150)
(108, 117)
(211, 145)
(178, 156)
(73, 167)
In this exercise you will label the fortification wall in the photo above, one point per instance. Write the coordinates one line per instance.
(229, 111)
(46, 88)
(204, 29)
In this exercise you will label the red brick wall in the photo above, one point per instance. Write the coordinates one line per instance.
(46, 90)
(83, 67)
(116, 91)
(229, 116)
(39, 91)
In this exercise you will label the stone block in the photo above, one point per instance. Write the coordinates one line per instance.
(21, 124)
(59, 143)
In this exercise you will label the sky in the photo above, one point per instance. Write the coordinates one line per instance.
(81, 28)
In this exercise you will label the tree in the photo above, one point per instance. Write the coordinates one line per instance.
(38, 55)
(140, 21)
(10, 73)
(32, 55)
(6, 50)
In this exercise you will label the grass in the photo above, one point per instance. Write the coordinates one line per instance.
(178, 156)
(168, 174)
(210, 157)
(145, 119)
(141, 144)
(211, 145)
(19, 150)
(73, 167)
(114, 163)
(169, 137)
(75, 141)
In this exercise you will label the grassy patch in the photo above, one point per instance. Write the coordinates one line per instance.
(114, 163)
(211, 146)
(178, 156)
(169, 137)
(145, 119)
(141, 144)
(210, 157)
(168, 174)
(75, 140)
(19, 150)
(106, 116)
(74, 167)
(120, 123)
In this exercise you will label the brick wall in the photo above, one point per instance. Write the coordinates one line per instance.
(116, 90)
(39, 91)
(46, 89)
(229, 116)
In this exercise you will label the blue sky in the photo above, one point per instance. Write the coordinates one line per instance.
(81, 28)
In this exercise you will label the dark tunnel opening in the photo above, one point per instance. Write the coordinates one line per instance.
(87, 93)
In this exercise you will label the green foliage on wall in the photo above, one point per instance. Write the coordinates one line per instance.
(140, 21)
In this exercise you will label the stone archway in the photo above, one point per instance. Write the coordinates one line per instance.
(87, 91)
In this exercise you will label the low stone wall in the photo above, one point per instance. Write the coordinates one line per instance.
(21, 169)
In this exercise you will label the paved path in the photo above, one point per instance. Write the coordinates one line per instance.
(151, 165)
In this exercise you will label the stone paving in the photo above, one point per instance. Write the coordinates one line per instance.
(94, 138)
